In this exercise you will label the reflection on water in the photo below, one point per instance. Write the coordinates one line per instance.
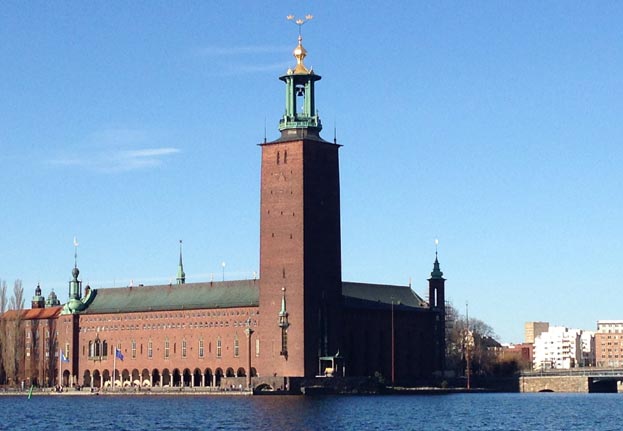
(283, 413)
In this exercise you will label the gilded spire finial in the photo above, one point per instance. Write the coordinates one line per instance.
(299, 52)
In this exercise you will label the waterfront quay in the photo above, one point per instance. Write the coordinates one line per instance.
(175, 391)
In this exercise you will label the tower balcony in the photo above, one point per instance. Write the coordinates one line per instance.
(288, 122)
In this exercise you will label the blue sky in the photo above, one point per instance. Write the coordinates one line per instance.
(493, 126)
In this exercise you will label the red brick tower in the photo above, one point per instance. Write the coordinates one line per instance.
(300, 249)
(437, 302)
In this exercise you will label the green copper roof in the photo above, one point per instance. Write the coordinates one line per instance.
(380, 295)
(436, 274)
(229, 294)
(242, 293)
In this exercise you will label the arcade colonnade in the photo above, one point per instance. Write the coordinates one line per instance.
(176, 377)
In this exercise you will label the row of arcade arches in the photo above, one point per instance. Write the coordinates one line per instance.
(158, 378)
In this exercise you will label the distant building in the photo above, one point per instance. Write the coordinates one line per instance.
(609, 343)
(533, 330)
(520, 353)
(588, 349)
(558, 348)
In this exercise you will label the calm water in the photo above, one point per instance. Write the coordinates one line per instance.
(450, 412)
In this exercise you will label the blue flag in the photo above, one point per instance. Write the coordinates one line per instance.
(118, 354)
(63, 357)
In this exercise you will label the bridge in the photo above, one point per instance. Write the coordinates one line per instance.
(586, 379)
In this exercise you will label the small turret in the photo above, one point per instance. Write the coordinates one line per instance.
(181, 275)
(284, 325)
(74, 304)
(52, 300)
(38, 301)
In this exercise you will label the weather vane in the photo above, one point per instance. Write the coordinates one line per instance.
(299, 21)
(75, 252)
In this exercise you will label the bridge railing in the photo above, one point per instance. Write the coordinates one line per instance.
(582, 371)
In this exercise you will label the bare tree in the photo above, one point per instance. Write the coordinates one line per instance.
(50, 371)
(473, 337)
(17, 300)
(14, 343)
(3, 299)
(3, 329)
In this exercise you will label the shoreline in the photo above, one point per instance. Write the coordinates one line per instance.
(308, 391)
(133, 393)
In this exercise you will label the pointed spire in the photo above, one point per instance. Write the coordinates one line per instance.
(283, 313)
(436, 274)
(181, 276)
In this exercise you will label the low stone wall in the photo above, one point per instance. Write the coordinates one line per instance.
(553, 384)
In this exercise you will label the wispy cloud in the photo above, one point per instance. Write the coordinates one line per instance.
(240, 60)
(150, 152)
(221, 51)
(118, 150)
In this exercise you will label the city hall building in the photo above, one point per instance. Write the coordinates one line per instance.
(298, 321)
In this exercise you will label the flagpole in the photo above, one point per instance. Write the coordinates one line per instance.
(114, 368)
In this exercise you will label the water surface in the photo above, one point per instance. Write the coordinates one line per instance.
(550, 411)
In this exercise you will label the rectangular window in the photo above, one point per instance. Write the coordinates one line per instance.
(257, 347)
(201, 348)
(133, 349)
(149, 349)
(219, 349)
(183, 348)
(236, 348)
(166, 348)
